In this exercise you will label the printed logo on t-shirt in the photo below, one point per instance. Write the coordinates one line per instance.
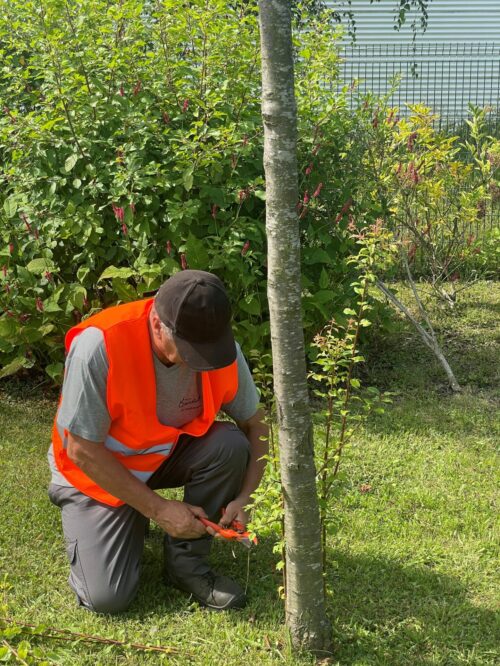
(189, 403)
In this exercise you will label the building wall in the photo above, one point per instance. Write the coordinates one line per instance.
(456, 61)
(450, 21)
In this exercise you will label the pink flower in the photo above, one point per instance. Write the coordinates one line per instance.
(183, 262)
(169, 247)
(119, 212)
(243, 194)
(317, 191)
(39, 304)
(185, 106)
(345, 209)
(137, 87)
(411, 141)
(48, 276)
(245, 248)
(309, 169)
(11, 248)
(121, 92)
(306, 198)
(124, 229)
(413, 173)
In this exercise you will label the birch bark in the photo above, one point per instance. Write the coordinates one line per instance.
(305, 600)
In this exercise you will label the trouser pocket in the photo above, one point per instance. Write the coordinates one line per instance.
(76, 577)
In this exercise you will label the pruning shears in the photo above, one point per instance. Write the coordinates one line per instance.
(236, 532)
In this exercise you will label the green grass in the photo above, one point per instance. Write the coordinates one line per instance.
(413, 562)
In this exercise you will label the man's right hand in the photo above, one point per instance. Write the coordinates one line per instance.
(180, 520)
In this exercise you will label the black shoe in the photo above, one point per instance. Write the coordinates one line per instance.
(211, 589)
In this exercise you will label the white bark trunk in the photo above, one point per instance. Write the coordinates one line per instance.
(305, 601)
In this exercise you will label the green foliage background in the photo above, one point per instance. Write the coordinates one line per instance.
(131, 147)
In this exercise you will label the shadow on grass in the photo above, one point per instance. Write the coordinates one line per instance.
(254, 569)
(386, 612)
(382, 611)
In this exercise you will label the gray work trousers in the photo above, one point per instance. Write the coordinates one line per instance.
(104, 544)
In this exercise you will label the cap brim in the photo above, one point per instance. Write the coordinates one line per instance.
(204, 356)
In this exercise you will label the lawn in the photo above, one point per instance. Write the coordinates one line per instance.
(413, 563)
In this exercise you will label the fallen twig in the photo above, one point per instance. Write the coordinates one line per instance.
(67, 635)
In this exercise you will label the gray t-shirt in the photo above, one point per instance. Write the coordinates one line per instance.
(83, 410)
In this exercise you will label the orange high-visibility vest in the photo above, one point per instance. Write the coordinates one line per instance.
(136, 438)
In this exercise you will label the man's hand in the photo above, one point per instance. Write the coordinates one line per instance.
(235, 510)
(180, 520)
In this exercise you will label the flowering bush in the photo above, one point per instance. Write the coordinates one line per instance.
(131, 148)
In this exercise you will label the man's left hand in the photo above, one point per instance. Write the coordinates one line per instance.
(235, 510)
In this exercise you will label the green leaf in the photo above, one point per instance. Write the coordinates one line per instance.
(77, 183)
(250, 304)
(40, 265)
(324, 280)
(54, 370)
(14, 366)
(123, 290)
(10, 206)
(365, 323)
(187, 178)
(82, 273)
(349, 311)
(8, 327)
(324, 296)
(196, 253)
(70, 162)
(77, 295)
(115, 272)
(316, 256)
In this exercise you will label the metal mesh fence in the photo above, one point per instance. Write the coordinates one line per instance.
(445, 77)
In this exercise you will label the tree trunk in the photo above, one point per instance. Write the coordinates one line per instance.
(305, 600)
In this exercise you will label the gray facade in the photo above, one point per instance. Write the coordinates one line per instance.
(456, 61)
